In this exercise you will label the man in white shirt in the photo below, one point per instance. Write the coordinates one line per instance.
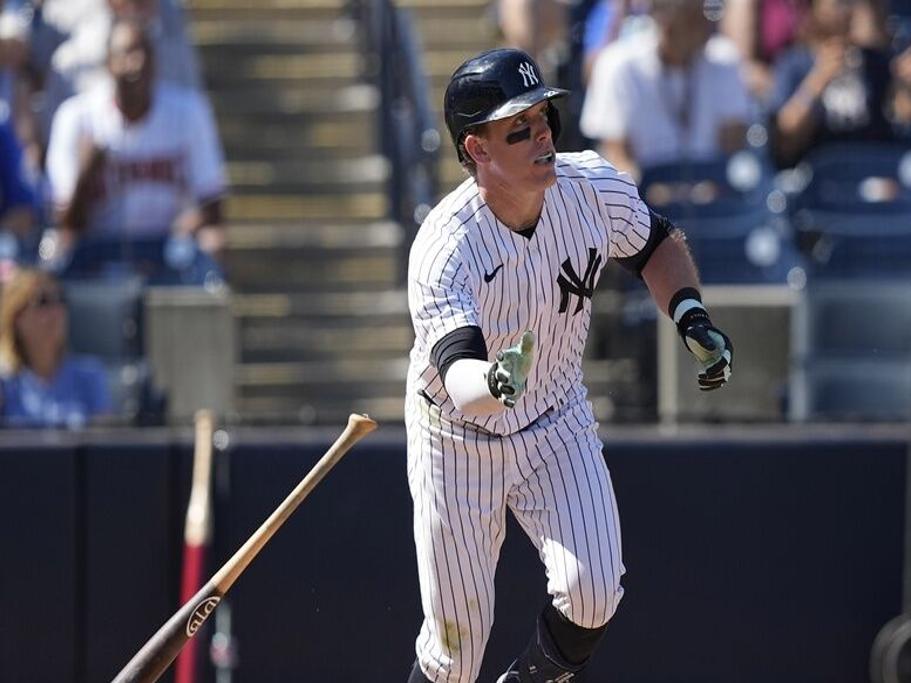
(136, 158)
(79, 63)
(669, 96)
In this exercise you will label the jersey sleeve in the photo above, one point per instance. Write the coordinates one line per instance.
(63, 152)
(206, 160)
(440, 296)
(626, 217)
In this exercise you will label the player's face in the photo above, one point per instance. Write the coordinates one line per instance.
(520, 149)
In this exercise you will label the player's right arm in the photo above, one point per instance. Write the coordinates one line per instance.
(477, 386)
(446, 320)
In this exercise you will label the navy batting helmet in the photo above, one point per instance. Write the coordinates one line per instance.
(495, 85)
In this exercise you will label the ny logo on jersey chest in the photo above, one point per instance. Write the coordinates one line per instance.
(570, 283)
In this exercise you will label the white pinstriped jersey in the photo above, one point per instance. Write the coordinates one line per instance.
(468, 268)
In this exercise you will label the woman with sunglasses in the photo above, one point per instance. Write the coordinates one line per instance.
(41, 385)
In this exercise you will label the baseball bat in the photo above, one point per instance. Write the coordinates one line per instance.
(160, 650)
(196, 536)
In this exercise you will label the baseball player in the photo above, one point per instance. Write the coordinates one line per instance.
(500, 281)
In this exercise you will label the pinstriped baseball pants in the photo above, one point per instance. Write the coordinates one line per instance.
(553, 477)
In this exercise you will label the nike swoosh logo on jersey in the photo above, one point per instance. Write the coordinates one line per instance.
(492, 274)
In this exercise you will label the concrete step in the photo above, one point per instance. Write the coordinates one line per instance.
(471, 32)
(266, 34)
(293, 378)
(310, 273)
(298, 137)
(361, 206)
(297, 235)
(285, 69)
(445, 7)
(277, 10)
(364, 174)
(256, 99)
(264, 6)
(294, 339)
(345, 306)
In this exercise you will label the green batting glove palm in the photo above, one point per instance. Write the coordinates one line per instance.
(714, 352)
(507, 377)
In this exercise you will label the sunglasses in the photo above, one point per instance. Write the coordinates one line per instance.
(47, 299)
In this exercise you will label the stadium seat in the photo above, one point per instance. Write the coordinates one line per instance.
(158, 260)
(868, 391)
(723, 207)
(106, 317)
(852, 351)
(852, 210)
(106, 322)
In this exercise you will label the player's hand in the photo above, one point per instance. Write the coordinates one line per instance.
(713, 350)
(507, 376)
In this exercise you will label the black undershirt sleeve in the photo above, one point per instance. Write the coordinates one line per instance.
(660, 228)
(464, 342)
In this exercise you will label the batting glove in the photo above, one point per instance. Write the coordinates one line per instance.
(711, 347)
(507, 376)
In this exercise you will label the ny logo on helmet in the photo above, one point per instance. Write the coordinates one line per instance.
(529, 77)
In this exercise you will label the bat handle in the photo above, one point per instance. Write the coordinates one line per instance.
(157, 654)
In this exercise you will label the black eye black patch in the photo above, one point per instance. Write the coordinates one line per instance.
(518, 136)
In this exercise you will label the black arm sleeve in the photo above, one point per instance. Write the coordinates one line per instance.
(464, 342)
(660, 228)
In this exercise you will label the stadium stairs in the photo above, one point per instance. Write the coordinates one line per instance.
(313, 259)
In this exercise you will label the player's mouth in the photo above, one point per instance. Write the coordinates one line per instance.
(545, 159)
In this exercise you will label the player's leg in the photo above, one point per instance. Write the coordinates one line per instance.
(566, 505)
(459, 524)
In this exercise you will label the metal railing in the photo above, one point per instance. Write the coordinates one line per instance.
(406, 124)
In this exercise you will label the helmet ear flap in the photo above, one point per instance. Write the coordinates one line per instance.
(553, 120)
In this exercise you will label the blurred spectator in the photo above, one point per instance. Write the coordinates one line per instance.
(840, 84)
(14, 33)
(538, 27)
(79, 62)
(41, 385)
(762, 30)
(53, 21)
(17, 200)
(135, 158)
(668, 96)
(15, 83)
(608, 21)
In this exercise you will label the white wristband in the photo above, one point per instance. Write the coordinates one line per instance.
(685, 306)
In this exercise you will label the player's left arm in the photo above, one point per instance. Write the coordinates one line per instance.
(673, 282)
(651, 247)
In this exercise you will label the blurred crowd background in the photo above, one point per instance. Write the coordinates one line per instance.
(207, 203)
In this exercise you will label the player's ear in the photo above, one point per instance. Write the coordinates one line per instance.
(476, 147)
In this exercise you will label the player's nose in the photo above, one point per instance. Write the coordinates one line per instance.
(542, 131)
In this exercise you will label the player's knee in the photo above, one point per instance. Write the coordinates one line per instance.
(591, 601)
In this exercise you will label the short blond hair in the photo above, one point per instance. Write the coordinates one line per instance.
(17, 294)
